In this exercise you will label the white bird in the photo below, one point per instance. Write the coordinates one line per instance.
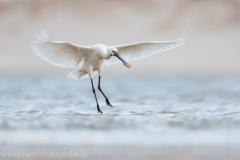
(90, 59)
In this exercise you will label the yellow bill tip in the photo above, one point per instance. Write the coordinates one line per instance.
(128, 65)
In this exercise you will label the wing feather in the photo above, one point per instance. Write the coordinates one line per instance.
(62, 54)
(135, 51)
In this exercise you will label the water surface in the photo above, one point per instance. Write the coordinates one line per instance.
(155, 111)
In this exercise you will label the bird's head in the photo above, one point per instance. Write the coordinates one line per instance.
(114, 52)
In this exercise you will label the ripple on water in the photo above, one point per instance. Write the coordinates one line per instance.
(166, 109)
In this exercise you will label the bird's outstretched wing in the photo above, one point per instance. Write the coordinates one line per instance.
(62, 54)
(135, 51)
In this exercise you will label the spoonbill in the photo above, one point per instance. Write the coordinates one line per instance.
(90, 59)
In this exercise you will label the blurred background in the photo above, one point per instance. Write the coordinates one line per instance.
(179, 104)
(213, 27)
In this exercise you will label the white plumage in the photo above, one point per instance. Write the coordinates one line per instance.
(62, 54)
(135, 51)
(68, 55)
(90, 59)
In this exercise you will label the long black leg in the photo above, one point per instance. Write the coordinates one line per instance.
(99, 87)
(98, 108)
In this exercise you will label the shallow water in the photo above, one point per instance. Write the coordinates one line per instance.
(155, 111)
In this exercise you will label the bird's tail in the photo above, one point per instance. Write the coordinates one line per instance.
(80, 74)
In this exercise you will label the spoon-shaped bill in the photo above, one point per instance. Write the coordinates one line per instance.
(124, 62)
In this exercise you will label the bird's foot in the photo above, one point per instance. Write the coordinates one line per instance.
(99, 111)
(108, 103)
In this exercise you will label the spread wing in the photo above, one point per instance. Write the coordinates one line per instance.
(135, 51)
(62, 54)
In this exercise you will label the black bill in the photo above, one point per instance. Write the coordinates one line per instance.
(124, 62)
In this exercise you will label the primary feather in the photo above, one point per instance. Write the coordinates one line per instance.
(62, 54)
(135, 51)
